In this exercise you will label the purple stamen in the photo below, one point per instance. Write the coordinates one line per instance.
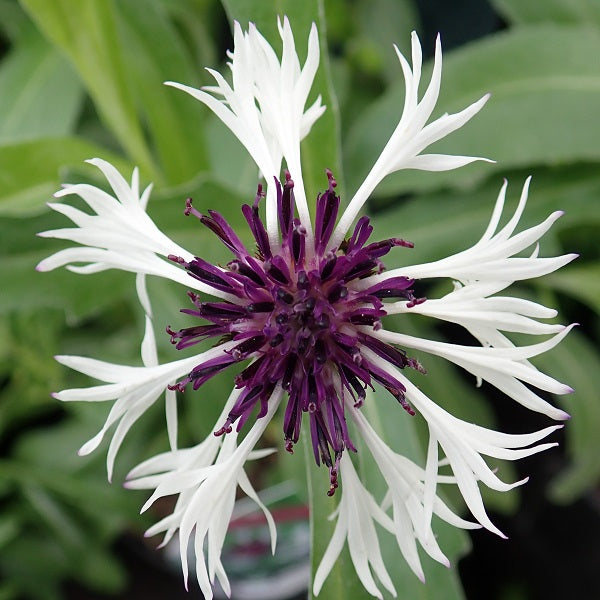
(219, 226)
(299, 321)
(258, 229)
(327, 210)
(285, 205)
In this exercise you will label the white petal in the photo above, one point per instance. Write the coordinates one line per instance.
(492, 258)
(439, 162)
(265, 108)
(411, 136)
(120, 235)
(142, 292)
(332, 552)
(149, 355)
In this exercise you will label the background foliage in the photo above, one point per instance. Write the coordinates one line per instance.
(83, 78)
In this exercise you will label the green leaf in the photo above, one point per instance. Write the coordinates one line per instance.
(381, 22)
(32, 559)
(174, 120)
(31, 171)
(580, 281)
(8, 591)
(86, 31)
(9, 529)
(576, 361)
(225, 150)
(101, 571)
(40, 92)
(13, 21)
(54, 516)
(77, 295)
(27, 368)
(556, 11)
(264, 15)
(545, 87)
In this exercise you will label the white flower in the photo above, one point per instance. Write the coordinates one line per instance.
(304, 316)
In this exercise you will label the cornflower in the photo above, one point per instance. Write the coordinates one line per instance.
(300, 320)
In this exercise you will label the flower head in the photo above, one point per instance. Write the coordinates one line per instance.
(300, 320)
(299, 316)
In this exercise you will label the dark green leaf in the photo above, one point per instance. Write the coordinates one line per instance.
(31, 559)
(577, 362)
(554, 11)
(13, 21)
(9, 529)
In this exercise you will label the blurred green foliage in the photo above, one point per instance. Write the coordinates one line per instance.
(84, 78)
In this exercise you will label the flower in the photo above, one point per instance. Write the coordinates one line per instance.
(301, 320)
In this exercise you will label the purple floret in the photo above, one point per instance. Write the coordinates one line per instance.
(299, 319)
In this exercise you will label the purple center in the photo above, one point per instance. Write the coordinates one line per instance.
(300, 320)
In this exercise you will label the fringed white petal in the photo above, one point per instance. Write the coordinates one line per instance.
(412, 496)
(206, 484)
(411, 136)
(133, 389)
(438, 162)
(355, 525)
(491, 259)
(120, 235)
(463, 444)
(496, 365)
(265, 108)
